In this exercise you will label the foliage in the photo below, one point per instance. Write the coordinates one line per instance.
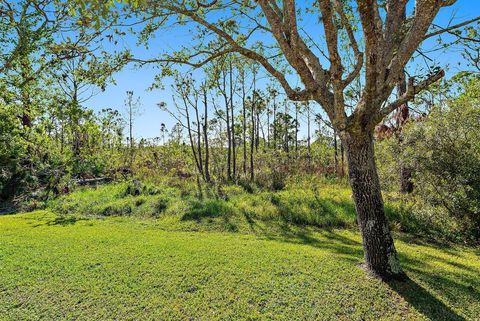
(443, 150)
(11, 150)
(445, 153)
(304, 203)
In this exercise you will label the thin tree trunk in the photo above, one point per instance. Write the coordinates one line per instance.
(130, 125)
(286, 125)
(257, 129)
(406, 184)
(234, 153)
(296, 130)
(244, 107)
(229, 138)
(190, 137)
(380, 255)
(263, 137)
(205, 135)
(342, 154)
(274, 122)
(335, 153)
(252, 136)
(309, 147)
(403, 114)
(199, 138)
(268, 127)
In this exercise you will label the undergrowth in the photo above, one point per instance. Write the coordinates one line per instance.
(245, 207)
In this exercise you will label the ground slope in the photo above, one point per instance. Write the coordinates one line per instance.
(65, 268)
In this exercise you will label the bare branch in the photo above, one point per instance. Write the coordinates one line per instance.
(412, 90)
(186, 61)
(443, 30)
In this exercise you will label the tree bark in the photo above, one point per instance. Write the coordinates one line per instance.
(205, 135)
(199, 137)
(406, 184)
(229, 139)
(244, 124)
(190, 137)
(257, 128)
(309, 148)
(296, 130)
(342, 154)
(335, 152)
(402, 117)
(234, 147)
(252, 136)
(268, 127)
(381, 258)
(274, 123)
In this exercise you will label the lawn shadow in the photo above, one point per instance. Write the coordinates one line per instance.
(319, 212)
(453, 284)
(62, 221)
(327, 238)
(252, 223)
(423, 301)
(7, 208)
(209, 211)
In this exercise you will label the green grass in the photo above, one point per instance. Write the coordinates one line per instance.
(221, 208)
(178, 251)
(127, 268)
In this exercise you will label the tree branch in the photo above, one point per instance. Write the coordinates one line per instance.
(443, 30)
(412, 90)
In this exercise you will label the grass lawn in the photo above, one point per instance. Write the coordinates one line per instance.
(127, 268)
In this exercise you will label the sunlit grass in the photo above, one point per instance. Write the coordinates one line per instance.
(74, 267)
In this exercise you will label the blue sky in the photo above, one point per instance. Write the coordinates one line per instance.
(147, 124)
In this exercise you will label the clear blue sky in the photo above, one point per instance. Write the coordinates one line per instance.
(147, 125)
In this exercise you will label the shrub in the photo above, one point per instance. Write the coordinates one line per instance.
(445, 155)
(160, 206)
(273, 180)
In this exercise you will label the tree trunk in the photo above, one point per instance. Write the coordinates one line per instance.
(274, 123)
(342, 154)
(205, 135)
(252, 136)
(402, 117)
(244, 125)
(199, 138)
(296, 130)
(257, 129)
(234, 147)
(229, 138)
(380, 255)
(335, 152)
(190, 137)
(268, 127)
(406, 184)
(309, 147)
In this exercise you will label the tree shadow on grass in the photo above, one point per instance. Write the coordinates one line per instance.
(330, 240)
(209, 211)
(62, 221)
(423, 301)
(448, 286)
(457, 285)
(321, 212)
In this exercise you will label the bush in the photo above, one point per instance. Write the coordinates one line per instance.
(445, 155)
(273, 180)
(160, 206)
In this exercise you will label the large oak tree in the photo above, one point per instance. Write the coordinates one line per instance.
(366, 42)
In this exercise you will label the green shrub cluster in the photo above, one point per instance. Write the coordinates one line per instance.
(443, 151)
